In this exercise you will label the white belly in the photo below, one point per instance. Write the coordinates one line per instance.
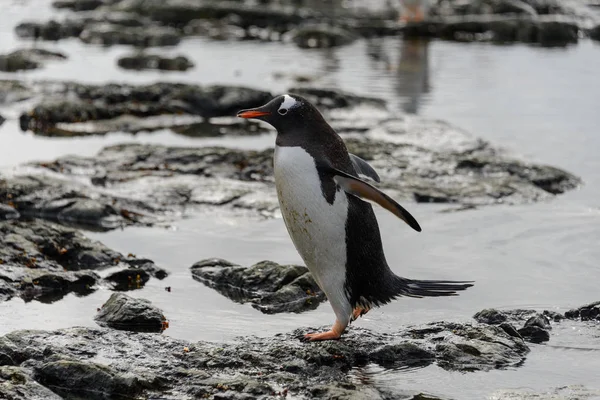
(317, 228)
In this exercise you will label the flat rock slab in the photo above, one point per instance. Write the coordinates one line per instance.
(129, 314)
(146, 184)
(26, 59)
(267, 286)
(141, 61)
(87, 104)
(44, 261)
(95, 363)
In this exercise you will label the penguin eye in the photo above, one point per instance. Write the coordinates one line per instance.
(282, 111)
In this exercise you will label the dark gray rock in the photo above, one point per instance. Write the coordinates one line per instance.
(585, 313)
(78, 5)
(106, 102)
(108, 34)
(490, 316)
(88, 379)
(18, 384)
(539, 320)
(534, 334)
(594, 33)
(553, 315)
(129, 314)
(267, 286)
(151, 365)
(8, 212)
(2, 119)
(547, 30)
(51, 30)
(25, 59)
(43, 261)
(321, 36)
(141, 61)
(535, 328)
(12, 91)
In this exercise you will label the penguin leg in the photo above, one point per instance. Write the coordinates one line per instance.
(335, 332)
(419, 15)
(413, 13)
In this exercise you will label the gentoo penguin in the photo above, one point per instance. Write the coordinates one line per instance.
(323, 203)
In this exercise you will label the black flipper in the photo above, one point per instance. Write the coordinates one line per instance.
(363, 190)
(363, 168)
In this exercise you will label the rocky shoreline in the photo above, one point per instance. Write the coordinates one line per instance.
(106, 363)
(144, 23)
(43, 261)
(420, 160)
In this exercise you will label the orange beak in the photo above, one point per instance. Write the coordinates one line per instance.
(252, 114)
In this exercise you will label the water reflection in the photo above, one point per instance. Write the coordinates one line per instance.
(412, 74)
(409, 74)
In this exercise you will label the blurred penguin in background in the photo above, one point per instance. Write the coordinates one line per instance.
(413, 10)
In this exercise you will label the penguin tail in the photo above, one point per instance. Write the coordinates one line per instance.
(419, 288)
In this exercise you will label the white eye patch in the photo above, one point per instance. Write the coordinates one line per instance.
(288, 103)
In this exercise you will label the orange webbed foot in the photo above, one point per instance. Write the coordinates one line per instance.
(333, 334)
(329, 335)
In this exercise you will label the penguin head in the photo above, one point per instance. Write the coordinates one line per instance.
(285, 113)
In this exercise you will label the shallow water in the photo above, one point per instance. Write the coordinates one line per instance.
(538, 103)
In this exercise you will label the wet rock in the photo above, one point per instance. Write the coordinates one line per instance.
(89, 379)
(12, 91)
(585, 313)
(128, 279)
(594, 33)
(107, 34)
(44, 261)
(217, 30)
(2, 119)
(126, 313)
(538, 320)
(48, 287)
(534, 334)
(51, 30)
(510, 330)
(153, 61)
(85, 361)
(535, 325)
(321, 36)
(78, 5)
(490, 316)
(8, 212)
(25, 59)
(177, 13)
(548, 30)
(536, 329)
(267, 286)
(18, 384)
(553, 315)
(108, 102)
(466, 347)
